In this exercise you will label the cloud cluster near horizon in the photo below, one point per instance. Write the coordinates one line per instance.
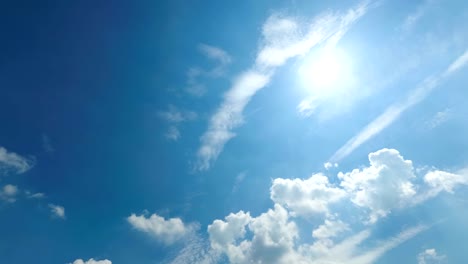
(389, 183)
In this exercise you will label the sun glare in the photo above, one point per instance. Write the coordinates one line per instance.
(323, 72)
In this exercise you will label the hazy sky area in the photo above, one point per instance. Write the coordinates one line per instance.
(244, 132)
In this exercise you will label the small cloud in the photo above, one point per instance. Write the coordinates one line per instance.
(8, 193)
(239, 179)
(195, 86)
(46, 144)
(57, 211)
(10, 161)
(34, 195)
(330, 229)
(430, 256)
(91, 261)
(439, 118)
(173, 133)
(328, 165)
(167, 231)
(175, 115)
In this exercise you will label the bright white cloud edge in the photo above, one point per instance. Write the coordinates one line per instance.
(283, 38)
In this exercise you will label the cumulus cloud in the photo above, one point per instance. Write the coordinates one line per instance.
(391, 182)
(384, 185)
(388, 183)
(393, 112)
(306, 197)
(8, 193)
(167, 231)
(10, 161)
(273, 238)
(57, 211)
(283, 38)
(430, 256)
(92, 261)
(330, 229)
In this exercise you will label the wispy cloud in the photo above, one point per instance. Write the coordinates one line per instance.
(283, 38)
(439, 118)
(46, 144)
(430, 256)
(57, 211)
(8, 193)
(195, 86)
(10, 161)
(175, 116)
(414, 17)
(393, 112)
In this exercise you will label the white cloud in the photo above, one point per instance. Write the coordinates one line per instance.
(330, 229)
(175, 115)
(390, 182)
(306, 197)
(217, 54)
(34, 195)
(393, 112)
(172, 133)
(92, 261)
(414, 17)
(57, 211)
(10, 161)
(384, 185)
(239, 179)
(196, 87)
(273, 238)
(439, 118)
(430, 256)
(8, 193)
(167, 231)
(283, 38)
(329, 165)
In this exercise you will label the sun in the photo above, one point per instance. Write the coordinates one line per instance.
(323, 71)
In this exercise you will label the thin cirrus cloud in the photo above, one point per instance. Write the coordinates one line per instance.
(175, 116)
(283, 38)
(10, 161)
(195, 85)
(393, 112)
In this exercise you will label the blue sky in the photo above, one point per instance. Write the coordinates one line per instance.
(243, 132)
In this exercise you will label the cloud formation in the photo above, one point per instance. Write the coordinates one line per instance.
(10, 161)
(430, 256)
(167, 231)
(175, 116)
(390, 182)
(8, 193)
(92, 261)
(57, 211)
(196, 87)
(283, 38)
(306, 197)
(393, 112)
